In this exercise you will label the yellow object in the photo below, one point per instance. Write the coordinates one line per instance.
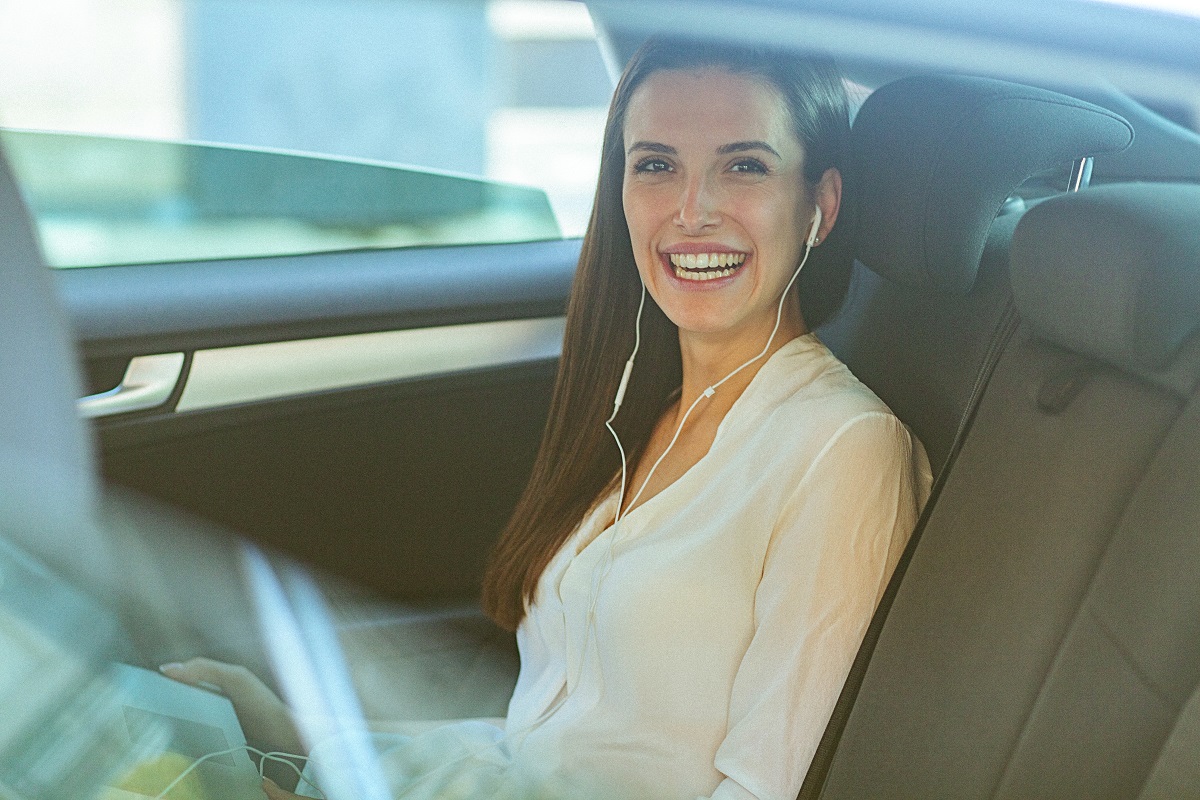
(150, 777)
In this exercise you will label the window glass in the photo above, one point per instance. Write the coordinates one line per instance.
(104, 200)
(440, 123)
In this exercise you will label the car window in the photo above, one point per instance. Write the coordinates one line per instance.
(103, 200)
(343, 138)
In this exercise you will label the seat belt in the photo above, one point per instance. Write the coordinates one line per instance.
(818, 771)
(1176, 774)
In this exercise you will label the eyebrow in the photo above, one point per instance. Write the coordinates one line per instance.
(725, 149)
(653, 147)
(741, 147)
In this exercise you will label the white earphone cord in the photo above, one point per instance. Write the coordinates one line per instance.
(589, 635)
(709, 392)
(637, 343)
(278, 757)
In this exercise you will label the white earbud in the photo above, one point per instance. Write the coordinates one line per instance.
(816, 226)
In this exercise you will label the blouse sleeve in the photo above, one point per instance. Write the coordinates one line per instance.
(835, 543)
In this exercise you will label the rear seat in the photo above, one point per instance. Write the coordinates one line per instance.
(933, 159)
(935, 164)
(1044, 642)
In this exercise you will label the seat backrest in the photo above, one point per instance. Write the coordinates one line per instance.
(935, 164)
(45, 449)
(1044, 640)
(933, 161)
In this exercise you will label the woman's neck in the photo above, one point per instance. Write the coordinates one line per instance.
(708, 360)
(705, 364)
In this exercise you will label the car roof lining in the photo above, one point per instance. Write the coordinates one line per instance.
(1165, 149)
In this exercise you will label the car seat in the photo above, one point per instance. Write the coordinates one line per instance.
(1043, 641)
(934, 162)
(85, 578)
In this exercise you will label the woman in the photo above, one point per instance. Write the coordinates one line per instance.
(690, 635)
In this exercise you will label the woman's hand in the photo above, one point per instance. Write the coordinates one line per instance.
(265, 720)
(275, 793)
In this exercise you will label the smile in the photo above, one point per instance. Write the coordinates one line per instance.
(706, 266)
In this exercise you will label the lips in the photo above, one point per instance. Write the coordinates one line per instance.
(705, 266)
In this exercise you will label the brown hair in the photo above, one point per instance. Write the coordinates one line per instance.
(578, 460)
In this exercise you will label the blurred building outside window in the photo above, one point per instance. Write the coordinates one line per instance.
(511, 90)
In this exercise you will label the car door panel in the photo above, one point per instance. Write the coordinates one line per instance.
(379, 441)
(124, 310)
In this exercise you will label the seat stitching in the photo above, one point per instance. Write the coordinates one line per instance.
(1059, 654)
(1158, 691)
(1087, 593)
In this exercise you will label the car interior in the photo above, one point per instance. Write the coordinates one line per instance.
(1014, 654)
(1025, 297)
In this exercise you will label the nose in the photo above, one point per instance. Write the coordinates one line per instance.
(698, 207)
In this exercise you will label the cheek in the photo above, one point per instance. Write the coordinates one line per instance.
(766, 212)
(639, 216)
(776, 222)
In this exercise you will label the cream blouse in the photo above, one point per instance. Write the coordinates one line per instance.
(697, 648)
(728, 607)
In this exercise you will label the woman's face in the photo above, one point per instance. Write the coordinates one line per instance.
(715, 200)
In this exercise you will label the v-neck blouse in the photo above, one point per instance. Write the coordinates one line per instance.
(696, 648)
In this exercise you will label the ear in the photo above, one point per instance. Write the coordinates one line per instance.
(828, 196)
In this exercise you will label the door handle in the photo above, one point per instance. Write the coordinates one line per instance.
(148, 382)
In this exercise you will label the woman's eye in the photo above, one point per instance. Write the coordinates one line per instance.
(750, 165)
(651, 165)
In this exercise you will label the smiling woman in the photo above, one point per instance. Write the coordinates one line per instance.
(575, 466)
(685, 616)
(717, 213)
(712, 603)
(683, 643)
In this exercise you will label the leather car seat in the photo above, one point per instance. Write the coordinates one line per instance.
(934, 160)
(114, 579)
(46, 456)
(1043, 640)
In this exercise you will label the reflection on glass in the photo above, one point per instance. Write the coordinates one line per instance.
(101, 201)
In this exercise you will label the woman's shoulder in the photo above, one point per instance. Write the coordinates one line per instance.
(835, 419)
(815, 383)
(807, 403)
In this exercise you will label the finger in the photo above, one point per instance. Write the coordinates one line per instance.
(192, 671)
(204, 672)
(275, 793)
(179, 672)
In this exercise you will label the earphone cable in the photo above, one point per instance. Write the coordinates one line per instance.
(711, 390)
(276, 756)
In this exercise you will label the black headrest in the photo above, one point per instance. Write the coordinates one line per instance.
(1112, 272)
(934, 157)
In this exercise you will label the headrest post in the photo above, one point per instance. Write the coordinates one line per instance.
(1081, 174)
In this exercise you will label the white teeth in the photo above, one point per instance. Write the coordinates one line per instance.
(707, 275)
(705, 266)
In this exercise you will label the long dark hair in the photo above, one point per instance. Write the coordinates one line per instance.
(578, 460)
